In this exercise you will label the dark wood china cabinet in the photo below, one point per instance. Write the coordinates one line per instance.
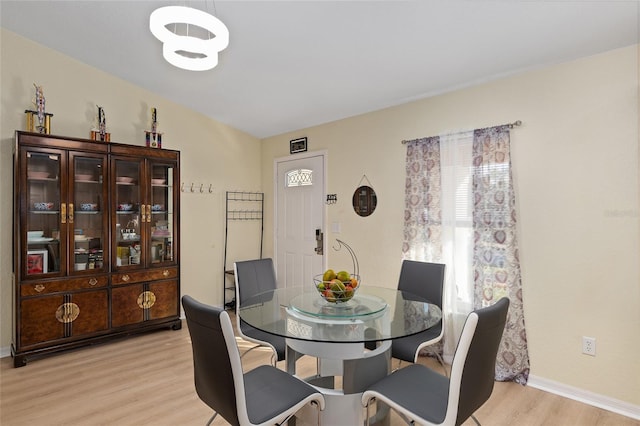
(96, 242)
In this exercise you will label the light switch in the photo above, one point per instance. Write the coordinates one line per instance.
(335, 227)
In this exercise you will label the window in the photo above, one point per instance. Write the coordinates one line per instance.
(299, 177)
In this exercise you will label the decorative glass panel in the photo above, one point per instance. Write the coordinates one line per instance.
(89, 208)
(162, 213)
(128, 213)
(45, 210)
(299, 177)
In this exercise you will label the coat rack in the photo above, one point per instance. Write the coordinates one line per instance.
(196, 188)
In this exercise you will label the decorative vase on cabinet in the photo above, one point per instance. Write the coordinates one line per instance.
(96, 242)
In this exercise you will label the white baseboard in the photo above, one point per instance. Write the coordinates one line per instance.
(587, 397)
(5, 352)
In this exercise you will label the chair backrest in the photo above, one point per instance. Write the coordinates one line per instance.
(216, 360)
(253, 277)
(423, 279)
(473, 368)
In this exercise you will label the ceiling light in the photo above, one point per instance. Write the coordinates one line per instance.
(201, 54)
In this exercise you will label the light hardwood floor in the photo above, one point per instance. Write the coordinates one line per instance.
(148, 380)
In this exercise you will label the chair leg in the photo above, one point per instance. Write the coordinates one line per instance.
(441, 361)
(249, 350)
(366, 420)
(318, 409)
(274, 358)
(211, 419)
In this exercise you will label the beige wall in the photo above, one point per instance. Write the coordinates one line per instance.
(575, 162)
(211, 153)
(575, 167)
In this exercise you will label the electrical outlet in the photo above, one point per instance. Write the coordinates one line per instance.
(589, 345)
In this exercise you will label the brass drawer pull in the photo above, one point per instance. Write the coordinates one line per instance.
(165, 272)
(146, 299)
(93, 281)
(39, 288)
(67, 312)
(126, 278)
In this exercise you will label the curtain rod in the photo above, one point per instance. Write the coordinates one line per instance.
(510, 125)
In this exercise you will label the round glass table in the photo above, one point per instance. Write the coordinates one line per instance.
(374, 314)
(351, 340)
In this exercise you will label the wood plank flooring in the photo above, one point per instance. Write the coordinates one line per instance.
(148, 380)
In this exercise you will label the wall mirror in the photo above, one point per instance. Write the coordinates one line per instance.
(364, 200)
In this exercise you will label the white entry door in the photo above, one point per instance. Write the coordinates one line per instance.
(299, 192)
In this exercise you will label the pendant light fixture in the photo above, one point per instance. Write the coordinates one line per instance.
(188, 51)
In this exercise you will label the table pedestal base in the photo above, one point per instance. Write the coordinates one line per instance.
(358, 368)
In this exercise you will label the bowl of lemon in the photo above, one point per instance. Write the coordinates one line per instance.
(336, 287)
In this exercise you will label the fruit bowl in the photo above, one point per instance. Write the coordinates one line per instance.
(337, 290)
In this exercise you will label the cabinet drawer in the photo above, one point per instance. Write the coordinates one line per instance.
(140, 276)
(46, 287)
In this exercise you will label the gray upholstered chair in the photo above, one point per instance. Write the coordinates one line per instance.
(425, 280)
(252, 278)
(262, 396)
(425, 397)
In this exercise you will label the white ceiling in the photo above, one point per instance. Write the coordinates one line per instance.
(295, 64)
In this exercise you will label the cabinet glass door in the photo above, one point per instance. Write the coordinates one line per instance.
(45, 213)
(88, 212)
(130, 211)
(162, 217)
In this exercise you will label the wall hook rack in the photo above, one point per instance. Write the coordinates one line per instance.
(196, 187)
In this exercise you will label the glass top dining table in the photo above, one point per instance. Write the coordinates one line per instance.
(373, 314)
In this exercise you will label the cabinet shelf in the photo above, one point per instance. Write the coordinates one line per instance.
(33, 179)
(33, 243)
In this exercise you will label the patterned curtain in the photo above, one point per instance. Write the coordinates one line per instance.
(496, 266)
(493, 268)
(422, 214)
